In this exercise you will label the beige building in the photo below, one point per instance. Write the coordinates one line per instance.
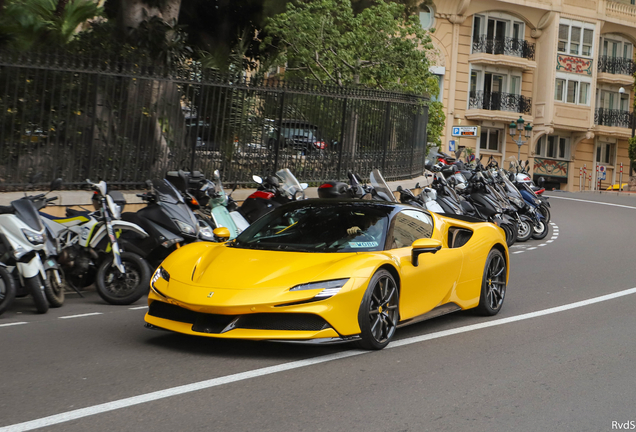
(565, 66)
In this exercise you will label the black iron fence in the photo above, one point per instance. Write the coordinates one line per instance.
(616, 65)
(498, 101)
(78, 118)
(612, 117)
(504, 46)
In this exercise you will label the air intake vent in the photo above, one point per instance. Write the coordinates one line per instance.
(282, 321)
(171, 312)
(458, 237)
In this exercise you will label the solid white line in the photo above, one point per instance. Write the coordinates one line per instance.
(594, 202)
(138, 307)
(81, 315)
(13, 324)
(215, 382)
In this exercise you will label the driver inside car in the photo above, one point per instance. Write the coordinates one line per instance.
(367, 225)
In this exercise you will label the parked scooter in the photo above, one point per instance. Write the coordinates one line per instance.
(90, 249)
(22, 251)
(168, 221)
(272, 192)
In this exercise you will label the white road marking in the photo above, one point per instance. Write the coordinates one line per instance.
(13, 324)
(553, 237)
(544, 244)
(81, 315)
(532, 248)
(215, 382)
(594, 202)
(518, 252)
(138, 307)
(549, 241)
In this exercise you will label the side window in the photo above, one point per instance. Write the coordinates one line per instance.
(410, 225)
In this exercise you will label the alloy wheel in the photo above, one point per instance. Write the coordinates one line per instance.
(383, 309)
(496, 282)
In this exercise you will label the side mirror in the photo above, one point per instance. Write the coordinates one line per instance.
(425, 245)
(257, 179)
(304, 186)
(221, 233)
(541, 181)
(56, 184)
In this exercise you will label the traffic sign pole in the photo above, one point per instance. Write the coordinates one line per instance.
(620, 179)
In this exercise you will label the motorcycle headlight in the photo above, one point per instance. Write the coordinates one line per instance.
(206, 233)
(160, 273)
(518, 202)
(327, 288)
(35, 238)
(184, 227)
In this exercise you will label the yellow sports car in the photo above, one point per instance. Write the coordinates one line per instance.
(331, 270)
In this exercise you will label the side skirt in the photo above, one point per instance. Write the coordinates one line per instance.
(438, 311)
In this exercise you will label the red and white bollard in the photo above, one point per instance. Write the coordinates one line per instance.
(584, 175)
(620, 179)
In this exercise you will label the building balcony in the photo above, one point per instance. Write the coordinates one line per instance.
(496, 106)
(611, 122)
(616, 70)
(504, 46)
(621, 12)
(508, 52)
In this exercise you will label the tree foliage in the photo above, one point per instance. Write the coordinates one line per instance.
(381, 47)
(41, 23)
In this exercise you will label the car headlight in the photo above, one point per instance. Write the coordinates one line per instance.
(160, 273)
(34, 237)
(184, 227)
(328, 288)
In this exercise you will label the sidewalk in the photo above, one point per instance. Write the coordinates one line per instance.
(77, 199)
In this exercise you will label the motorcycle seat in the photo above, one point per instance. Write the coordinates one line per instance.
(6, 209)
(74, 213)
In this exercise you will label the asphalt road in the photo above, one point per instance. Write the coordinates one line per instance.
(561, 356)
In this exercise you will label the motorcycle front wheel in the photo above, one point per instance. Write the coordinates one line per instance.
(54, 287)
(35, 286)
(123, 289)
(7, 289)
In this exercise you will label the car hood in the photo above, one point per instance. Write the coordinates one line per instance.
(218, 266)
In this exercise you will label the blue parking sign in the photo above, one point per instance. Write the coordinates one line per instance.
(451, 145)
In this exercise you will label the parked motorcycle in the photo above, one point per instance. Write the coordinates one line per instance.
(90, 249)
(272, 192)
(22, 251)
(168, 221)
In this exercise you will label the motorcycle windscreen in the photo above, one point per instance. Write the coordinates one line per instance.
(290, 184)
(511, 188)
(25, 210)
(381, 187)
(166, 192)
(218, 184)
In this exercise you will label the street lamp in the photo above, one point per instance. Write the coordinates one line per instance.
(516, 128)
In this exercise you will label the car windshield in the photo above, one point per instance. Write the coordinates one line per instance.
(319, 227)
(298, 133)
(290, 184)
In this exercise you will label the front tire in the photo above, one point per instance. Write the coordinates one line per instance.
(525, 229)
(7, 290)
(493, 284)
(540, 230)
(54, 289)
(35, 286)
(378, 315)
(123, 289)
(545, 211)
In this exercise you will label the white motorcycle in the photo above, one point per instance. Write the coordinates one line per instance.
(22, 251)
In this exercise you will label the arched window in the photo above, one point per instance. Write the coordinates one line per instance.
(427, 17)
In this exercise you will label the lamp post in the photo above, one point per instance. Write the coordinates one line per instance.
(516, 128)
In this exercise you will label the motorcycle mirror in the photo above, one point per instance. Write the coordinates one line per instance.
(217, 174)
(399, 188)
(149, 184)
(417, 185)
(257, 179)
(56, 184)
(541, 181)
(304, 186)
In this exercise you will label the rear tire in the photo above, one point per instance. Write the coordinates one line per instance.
(35, 286)
(125, 289)
(54, 290)
(7, 290)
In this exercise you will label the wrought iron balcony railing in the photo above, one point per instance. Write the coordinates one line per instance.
(612, 117)
(497, 101)
(616, 65)
(505, 46)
